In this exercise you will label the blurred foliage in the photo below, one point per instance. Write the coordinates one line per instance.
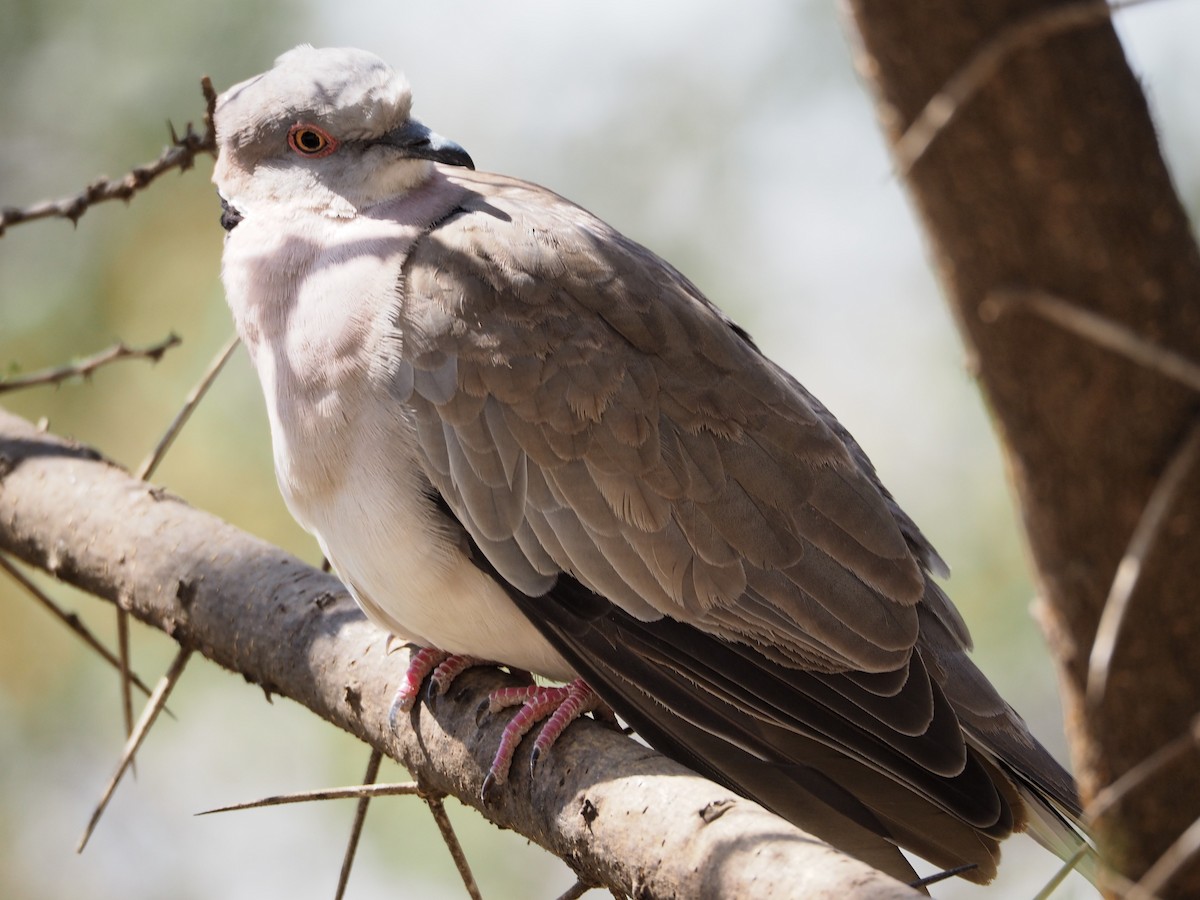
(733, 140)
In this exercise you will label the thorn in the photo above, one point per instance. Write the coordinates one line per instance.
(153, 706)
(126, 682)
(942, 876)
(400, 789)
(483, 711)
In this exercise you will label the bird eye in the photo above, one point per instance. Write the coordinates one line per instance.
(311, 141)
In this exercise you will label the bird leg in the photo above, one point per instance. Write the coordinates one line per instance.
(561, 705)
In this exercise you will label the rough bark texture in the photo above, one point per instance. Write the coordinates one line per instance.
(618, 813)
(1049, 179)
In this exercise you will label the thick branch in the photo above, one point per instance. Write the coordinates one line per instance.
(619, 814)
(1046, 180)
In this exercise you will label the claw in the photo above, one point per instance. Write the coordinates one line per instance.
(440, 667)
(561, 705)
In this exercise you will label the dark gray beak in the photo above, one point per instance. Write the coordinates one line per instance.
(416, 141)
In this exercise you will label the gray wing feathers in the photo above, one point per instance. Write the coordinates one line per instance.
(564, 399)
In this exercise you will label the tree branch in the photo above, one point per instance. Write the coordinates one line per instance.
(83, 368)
(180, 154)
(618, 813)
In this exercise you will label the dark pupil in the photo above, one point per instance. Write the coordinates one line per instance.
(310, 140)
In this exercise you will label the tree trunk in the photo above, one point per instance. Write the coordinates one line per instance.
(1045, 186)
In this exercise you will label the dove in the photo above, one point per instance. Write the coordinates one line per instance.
(523, 439)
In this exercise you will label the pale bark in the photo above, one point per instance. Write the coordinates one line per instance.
(619, 814)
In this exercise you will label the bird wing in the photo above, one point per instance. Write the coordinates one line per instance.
(583, 409)
(690, 528)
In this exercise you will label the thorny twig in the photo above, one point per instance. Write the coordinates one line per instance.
(438, 808)
(181, 155)
(154, 706)
(83, 368)
(404, 788)
(575, 891)
(971, 77)
(360, 817)
(70, 620)
(150, 463)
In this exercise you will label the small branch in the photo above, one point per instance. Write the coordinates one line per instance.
(150, 463)
(153, 707)
(71, 621)
(180, 154)
(438, 808)
(575, 891)
(85, 367)
(360, 817)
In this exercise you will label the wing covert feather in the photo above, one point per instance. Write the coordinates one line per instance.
(598, 414)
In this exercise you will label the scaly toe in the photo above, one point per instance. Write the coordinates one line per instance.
(424, 661)
(561, 705)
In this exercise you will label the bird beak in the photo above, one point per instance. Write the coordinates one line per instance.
(415, 141)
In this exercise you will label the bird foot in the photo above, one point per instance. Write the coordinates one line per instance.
(440, 667)
(560, 706)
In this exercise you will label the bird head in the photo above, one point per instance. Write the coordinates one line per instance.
(325, 129)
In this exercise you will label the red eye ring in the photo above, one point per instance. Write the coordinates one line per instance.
(311, 140)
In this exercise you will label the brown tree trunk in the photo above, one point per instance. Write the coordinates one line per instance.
(1045, 185)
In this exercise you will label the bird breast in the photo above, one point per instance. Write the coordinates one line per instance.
(315, 300)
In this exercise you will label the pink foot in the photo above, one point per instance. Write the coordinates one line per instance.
(440, 667)
(562, 705)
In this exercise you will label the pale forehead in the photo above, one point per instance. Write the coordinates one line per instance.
(345, 84)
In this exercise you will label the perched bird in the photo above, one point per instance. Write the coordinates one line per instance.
(522, 438)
